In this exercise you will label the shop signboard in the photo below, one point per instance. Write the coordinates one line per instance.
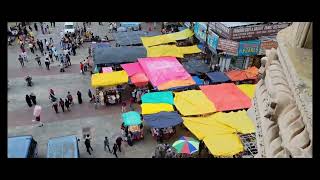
(212, 40)
(268, 44)
(220, 29)
(249, 48)
(200, 30)
(253, 31)
(228, 46)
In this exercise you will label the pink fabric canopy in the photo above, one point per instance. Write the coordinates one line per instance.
(132, 68)
(160, 70)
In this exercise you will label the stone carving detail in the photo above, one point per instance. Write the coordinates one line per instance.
(284, 131)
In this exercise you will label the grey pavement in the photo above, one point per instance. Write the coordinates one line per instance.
(104, 121)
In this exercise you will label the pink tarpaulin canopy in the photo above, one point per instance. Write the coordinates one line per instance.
(161, 70)
(106, 69)
(132, 68)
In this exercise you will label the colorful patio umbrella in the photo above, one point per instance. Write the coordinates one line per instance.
(131, 118)
(186, 145)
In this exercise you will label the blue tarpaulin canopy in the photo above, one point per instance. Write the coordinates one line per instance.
(217, 77)
(198, 80)
(131, 118)
(163, 119)
(196, 66)
(18, 147)
(63, 147)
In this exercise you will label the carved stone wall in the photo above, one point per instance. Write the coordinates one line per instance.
(283, 98)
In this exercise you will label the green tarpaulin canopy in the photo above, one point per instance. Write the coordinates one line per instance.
(158, 97)
(131, 118)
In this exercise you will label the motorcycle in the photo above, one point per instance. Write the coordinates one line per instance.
(29, 81)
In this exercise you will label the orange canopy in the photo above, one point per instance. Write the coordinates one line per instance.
(139, 79)
(176, 83)
(226, 96)
(240, 75)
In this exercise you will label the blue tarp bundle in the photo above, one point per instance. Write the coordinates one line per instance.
(217, 77)
(163, 119)
(196, 66)
(18, 147)
(63, 147)
(198, 80)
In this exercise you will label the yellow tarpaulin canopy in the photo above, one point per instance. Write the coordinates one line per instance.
(166, 38)
(152, 108)
(248, 89)
(171, 50)
(109, 79)
(239, 121)
(156, 40)
(224, 144)
(184, 34)
(193, 102)
(219, 131)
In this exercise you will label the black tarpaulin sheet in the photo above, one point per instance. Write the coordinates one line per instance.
(132, 37)
(163, 119)
(118, 55)
(196, 67)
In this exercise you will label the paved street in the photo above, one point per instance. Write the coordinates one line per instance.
(101, 122)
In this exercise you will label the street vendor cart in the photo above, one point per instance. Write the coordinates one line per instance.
(132, 125)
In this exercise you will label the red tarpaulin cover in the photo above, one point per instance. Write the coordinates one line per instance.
(240, 75)
(226, 96)
(139, 79)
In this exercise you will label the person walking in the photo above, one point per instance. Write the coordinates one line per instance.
(24, 56)
(79, 97)
(33, 98)
(73, 47)
(87, 143)
(50, 55)
(36, 114)
(81, 68)
(21, 60)
(123, 106)
(55, 106)
(54, 24)
(115, 148)
(90, 95)
(131, 104)
(35, 26)
(70, 98)
(47, 63)
(38, 59)
(106, 144)
(28, 100)
(119, 141)
(61, 104)
(41, 26)
(68, 60)
(47, 44)
(30, 28)
(51, 40)
(67, 104)
(31, 47)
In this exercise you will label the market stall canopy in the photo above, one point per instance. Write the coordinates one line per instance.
(131, 118)
(196, 66)
(177, 84)
(152, 108)
(217, 77)
(219, 131)
(226, 96)
(100, 45)
(139, 80)
(197, 80)
(118, 55)
(248, 89)
(18, 147)
(132, 37)
(241, 75)
(163, 119)
(162, 70)
(132, 68)
(158, 97)
(109, 79)
(171, 50)
(193, 102)
(166, 38)
(63, 147)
